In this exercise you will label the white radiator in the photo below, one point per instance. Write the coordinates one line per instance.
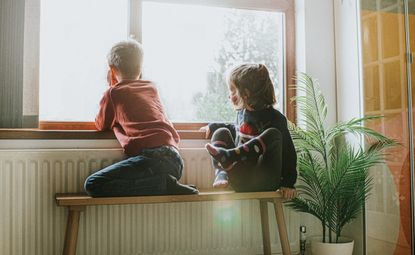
(31, 223)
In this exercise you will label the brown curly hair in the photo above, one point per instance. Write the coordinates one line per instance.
(254, 85)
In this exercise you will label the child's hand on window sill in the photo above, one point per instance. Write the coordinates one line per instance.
(288, 193)
(206, 130)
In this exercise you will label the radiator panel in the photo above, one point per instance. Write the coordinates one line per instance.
(31, 223)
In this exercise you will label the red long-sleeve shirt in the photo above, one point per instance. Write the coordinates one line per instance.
(133, 110)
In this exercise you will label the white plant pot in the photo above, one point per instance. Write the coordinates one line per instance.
(344, 247)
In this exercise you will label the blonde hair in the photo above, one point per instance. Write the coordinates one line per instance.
(127, 58)
(254, 85)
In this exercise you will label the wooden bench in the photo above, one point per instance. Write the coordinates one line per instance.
(77, 203)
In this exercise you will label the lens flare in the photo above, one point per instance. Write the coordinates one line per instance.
(226, 213)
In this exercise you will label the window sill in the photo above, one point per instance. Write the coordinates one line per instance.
(34, 134)
(53, 130)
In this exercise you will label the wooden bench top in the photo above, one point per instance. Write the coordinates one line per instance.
(85, 200)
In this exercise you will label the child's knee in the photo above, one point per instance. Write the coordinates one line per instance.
(221, 134)
(90, 186)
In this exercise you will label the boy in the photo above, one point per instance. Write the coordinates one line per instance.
(132, 109)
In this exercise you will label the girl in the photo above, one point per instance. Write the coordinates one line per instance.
(256, 153)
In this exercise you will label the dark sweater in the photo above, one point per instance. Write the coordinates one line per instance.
(252, 123)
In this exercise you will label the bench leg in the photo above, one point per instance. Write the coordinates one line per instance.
(282, 229)
(263, 207)
(72, 226)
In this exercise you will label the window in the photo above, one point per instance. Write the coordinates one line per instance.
(73, 48)
(188, 47)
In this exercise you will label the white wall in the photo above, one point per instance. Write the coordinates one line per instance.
(349, 98)
(347, 59)
(316, 49)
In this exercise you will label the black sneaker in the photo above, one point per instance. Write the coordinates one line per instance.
(176, 188)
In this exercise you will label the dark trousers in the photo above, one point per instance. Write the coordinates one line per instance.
(145, 174)
(263, 174)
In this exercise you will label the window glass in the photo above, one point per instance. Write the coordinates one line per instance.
(188, 48)
(74, 40)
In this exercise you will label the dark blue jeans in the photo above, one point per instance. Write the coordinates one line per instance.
(145, 174)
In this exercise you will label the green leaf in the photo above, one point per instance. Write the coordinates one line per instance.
(333, 175)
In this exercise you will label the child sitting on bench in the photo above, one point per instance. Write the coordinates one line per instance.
(257, 152)
(131, 107)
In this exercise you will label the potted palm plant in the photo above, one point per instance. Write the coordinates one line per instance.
(333, 173)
